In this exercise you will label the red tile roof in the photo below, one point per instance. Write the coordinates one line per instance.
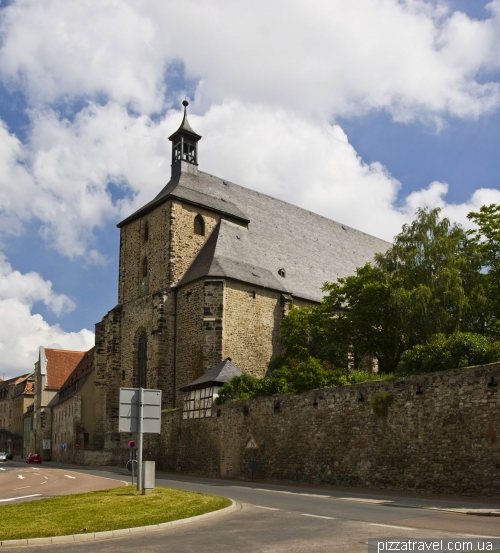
(60, 364)
(83, 368)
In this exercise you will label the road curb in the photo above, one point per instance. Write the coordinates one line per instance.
(122, 532)
(476, 512)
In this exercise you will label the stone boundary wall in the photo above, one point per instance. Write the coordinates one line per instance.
(440, 435)
(85, 457)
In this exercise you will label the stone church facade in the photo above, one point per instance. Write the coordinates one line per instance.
(208, 269)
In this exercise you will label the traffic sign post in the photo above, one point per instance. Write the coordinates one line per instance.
(140, 426)
(140, 411)
(132, 463)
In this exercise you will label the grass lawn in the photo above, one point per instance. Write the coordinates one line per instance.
(113, 509)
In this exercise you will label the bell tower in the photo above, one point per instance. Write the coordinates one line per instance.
(184, 147)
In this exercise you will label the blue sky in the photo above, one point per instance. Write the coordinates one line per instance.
(359, 111)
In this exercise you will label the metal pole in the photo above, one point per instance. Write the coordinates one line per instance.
(139, 439)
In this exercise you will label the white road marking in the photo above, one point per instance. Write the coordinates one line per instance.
(46, 477)
(476, 536)
(21, 476)
(363, 500)
(316, 516)
(22, 487)
(2, 468)
(34, 468)
(21, 497)
(44, 482)
(392, 526)
(68, 476)
(267, 508)
(287, 493)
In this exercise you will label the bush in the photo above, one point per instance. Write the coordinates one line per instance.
(380, 403)
(462, 349)
(240, 387)
(294, 376)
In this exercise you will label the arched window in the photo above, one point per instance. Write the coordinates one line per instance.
(145, 267)
(146, 231)
(142, 360)
(199, 225)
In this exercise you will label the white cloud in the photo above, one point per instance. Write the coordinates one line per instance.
(315, 167)
(341, 57)
(21, 331)
(434, 196)
(71, 165)
(16, 184)
(30, 288)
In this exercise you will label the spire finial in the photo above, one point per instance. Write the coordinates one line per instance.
(185, 103)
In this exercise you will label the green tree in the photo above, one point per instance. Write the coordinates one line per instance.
(486, 237)
(428, 282)
(462, 349)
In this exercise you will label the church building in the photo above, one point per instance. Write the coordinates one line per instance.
(208, 269)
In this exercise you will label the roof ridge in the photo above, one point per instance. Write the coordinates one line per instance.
(65, 350)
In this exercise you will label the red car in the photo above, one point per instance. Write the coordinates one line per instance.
(34, 458)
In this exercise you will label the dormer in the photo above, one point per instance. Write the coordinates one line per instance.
(184, 147)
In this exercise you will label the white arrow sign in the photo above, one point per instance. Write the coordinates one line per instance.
(21, 477)
(68, 476)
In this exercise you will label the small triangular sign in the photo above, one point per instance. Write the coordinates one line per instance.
(252, 444)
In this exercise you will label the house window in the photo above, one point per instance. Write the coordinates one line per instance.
(146, 231)
(85, 437)
(145, 267)
(142, 358)
(198, 403)
(199, 225)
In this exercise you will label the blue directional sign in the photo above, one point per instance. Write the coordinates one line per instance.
(63, 446)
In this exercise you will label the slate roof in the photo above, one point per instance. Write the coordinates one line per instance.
(223, 372)
(185, 126)
(260, 235)
(60, 364)
(312, 249)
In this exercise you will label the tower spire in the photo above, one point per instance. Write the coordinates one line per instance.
(184, 147)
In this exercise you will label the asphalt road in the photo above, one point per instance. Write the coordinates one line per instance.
(280, 518)
(22, 482)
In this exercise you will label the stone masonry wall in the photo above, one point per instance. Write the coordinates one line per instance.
(189, 354)
(145, 304)
(252, 319)
(441, 434)
(213, 312)
(184, 243)
(134, 248)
